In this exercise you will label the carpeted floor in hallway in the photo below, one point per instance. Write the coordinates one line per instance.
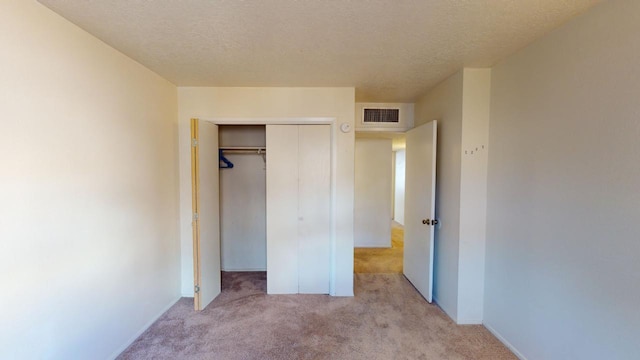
(387, 319)
(381, 260)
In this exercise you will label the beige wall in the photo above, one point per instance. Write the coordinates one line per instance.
(461, 106)
(338, 103)
(373, 190)
(444, 103)
(473, 194)
(562, 273)
(89, 248)
(398, 185)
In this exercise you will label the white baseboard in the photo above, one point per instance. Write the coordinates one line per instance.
(505, 342)
(469, 321)
(116, 353)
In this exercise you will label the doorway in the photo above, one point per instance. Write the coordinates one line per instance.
(379, 202)
(419, 205)
(389, 260)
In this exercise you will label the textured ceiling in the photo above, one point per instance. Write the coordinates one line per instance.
(390, 50)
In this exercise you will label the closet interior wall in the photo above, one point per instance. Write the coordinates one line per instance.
(243, 201)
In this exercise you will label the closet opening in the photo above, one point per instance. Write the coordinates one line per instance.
(243, 237)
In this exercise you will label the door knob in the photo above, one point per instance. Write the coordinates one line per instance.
(425, 221)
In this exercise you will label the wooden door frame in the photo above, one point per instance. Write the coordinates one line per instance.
(195, 183)
(195, 209)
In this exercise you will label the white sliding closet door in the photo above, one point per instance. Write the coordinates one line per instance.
(298, 208)
(282, 209)
(314, 195)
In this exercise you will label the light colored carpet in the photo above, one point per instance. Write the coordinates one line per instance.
(387, 319)
(381, 260)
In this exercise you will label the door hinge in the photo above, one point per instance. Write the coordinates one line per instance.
(194, 142)
(195, 216)
(196, 289)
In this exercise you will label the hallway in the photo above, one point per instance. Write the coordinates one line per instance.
(382, 260)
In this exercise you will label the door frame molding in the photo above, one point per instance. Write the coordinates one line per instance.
(195, 209)
(271, 120)
(332, 121)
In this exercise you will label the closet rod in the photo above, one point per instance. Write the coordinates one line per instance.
(242, 148)
(233, 149)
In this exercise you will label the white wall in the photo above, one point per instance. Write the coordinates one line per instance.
(444, 103)
(393, 182)
(461, 106)
(89, 249)
(398, 198)
(473, 194)
(339, 103)
(373, 172)
(243, 237)
(562, 269)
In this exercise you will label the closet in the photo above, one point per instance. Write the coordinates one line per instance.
(261, 201)
(243, 239)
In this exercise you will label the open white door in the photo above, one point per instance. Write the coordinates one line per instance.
(206, 217)
(420, 186)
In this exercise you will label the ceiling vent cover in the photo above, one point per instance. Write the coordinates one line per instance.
(381, 116)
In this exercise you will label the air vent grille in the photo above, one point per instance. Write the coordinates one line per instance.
(381, 115)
